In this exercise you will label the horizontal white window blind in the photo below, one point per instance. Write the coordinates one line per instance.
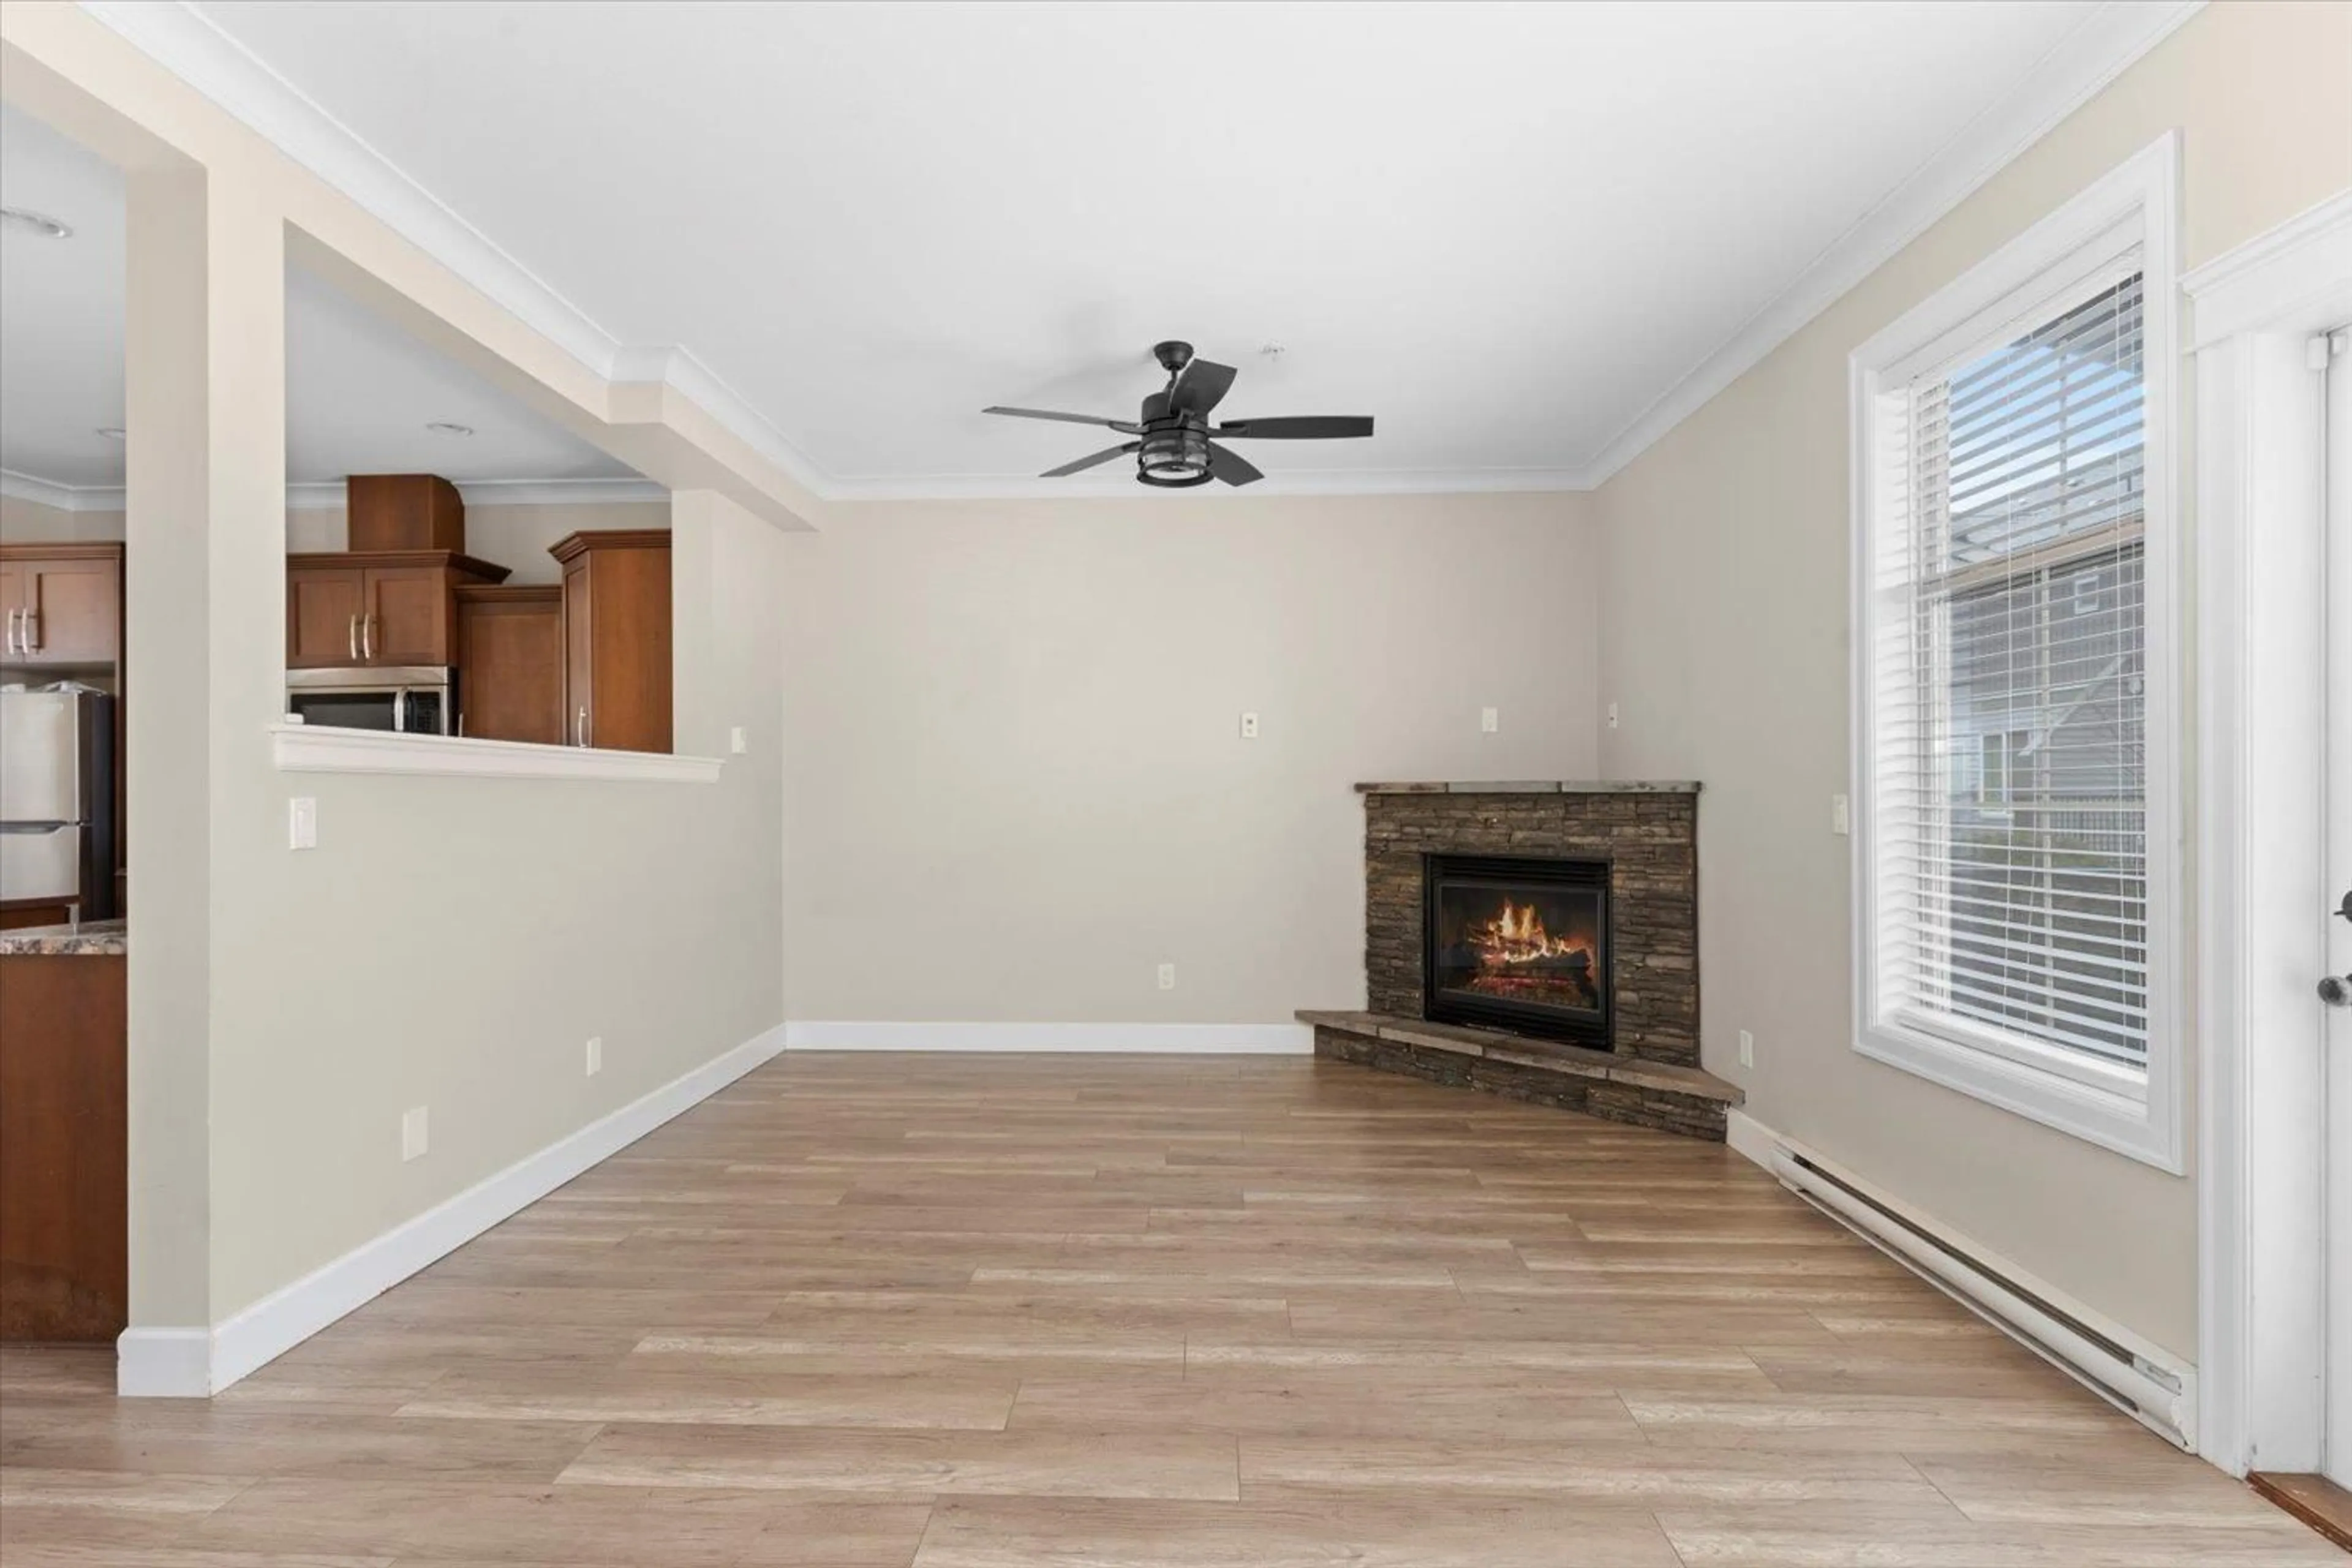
(2009, 769)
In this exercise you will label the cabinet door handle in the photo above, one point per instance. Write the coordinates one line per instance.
(351, 637)
(579, 727)
(367, 636)
(26, 637)
(12, 629)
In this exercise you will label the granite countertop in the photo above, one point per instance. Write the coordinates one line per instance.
(102, 939)
(1539, 787)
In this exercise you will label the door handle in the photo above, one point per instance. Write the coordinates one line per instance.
(351, 637)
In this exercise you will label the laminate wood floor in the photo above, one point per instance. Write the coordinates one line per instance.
(980, 1311)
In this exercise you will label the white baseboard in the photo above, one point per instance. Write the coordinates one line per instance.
(164, 1364)
(1174, 1039)
(166, 1361)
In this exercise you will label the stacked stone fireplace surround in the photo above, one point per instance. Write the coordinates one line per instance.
(1648, 832)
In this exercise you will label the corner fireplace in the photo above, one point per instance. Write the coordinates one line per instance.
(1519, 943)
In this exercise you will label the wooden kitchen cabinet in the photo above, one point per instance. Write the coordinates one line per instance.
(616, 639)
(323, 616)
(61, 604)
(65, 1228)
(377, 608)
(511, 663)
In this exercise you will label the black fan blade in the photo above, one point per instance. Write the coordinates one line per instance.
(1105, 455)
(1307, 428)
(1202, 387)
(1129, 426)
(1232, 467)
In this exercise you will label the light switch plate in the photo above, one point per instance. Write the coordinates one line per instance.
(1841, 814)
(1168, 977)
(596, 1055)
(1746, 1049)
(1490, 720)
(411, 1132)
(736, 741)
(1249, 726)
(1613, 715)
(302, 823)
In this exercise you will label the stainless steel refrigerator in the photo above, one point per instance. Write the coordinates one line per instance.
(56, 798)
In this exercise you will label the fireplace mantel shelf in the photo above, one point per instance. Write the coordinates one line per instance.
(1537, 786)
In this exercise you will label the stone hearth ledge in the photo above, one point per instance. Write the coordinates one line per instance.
(1500, 1046)
(1537, 786)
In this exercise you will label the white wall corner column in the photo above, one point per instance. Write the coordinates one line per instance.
(205, 376)
(2261, 646)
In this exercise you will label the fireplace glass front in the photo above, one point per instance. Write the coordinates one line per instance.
(1519, 943)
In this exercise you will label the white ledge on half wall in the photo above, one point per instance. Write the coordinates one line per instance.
(321, 749)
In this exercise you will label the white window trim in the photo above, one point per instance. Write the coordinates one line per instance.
(2114, 1108)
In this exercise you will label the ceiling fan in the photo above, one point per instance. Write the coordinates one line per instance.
(1175, 444)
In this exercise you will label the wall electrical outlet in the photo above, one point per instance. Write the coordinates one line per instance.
(596, 1055)
(1490, 720)
(737, 742)
(1249, 726)
(1168, 977)
(1746, 1049)
(411, 1132)
(302, 823)
(1841, 814)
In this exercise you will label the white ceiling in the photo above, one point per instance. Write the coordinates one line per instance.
(359, 390)
(1507, 231)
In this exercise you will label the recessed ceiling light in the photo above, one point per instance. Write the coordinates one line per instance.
(449, 427)
(32, 222)
(113, 432)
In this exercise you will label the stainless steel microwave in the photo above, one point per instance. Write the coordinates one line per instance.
(412, 699)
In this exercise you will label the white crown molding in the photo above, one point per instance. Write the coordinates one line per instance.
(184, 40)
(311, 495)
(2267, 283)
(301, 748)
(1118, 484)
(18, 486)
(2100, 49)
(187, 43)
(558, 492)
(675, 368)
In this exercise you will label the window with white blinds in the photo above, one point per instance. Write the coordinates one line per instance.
(2013, 881)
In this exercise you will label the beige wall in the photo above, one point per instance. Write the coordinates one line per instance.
(450, 943)
(1014, 738)
(515, 537)
(31, 522)
(454, 942)
(1724, 641)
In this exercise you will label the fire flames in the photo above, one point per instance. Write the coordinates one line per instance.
(1518, 936)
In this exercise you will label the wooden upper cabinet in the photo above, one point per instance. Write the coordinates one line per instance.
(511, 663)
(616, 639)
(323, 605)
(403, 511)
(412, 615)
(379, 607)
(62, 603)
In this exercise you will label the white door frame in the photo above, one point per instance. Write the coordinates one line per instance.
(2260, 948)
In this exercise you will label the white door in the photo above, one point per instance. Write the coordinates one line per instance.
(2338, 1448)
